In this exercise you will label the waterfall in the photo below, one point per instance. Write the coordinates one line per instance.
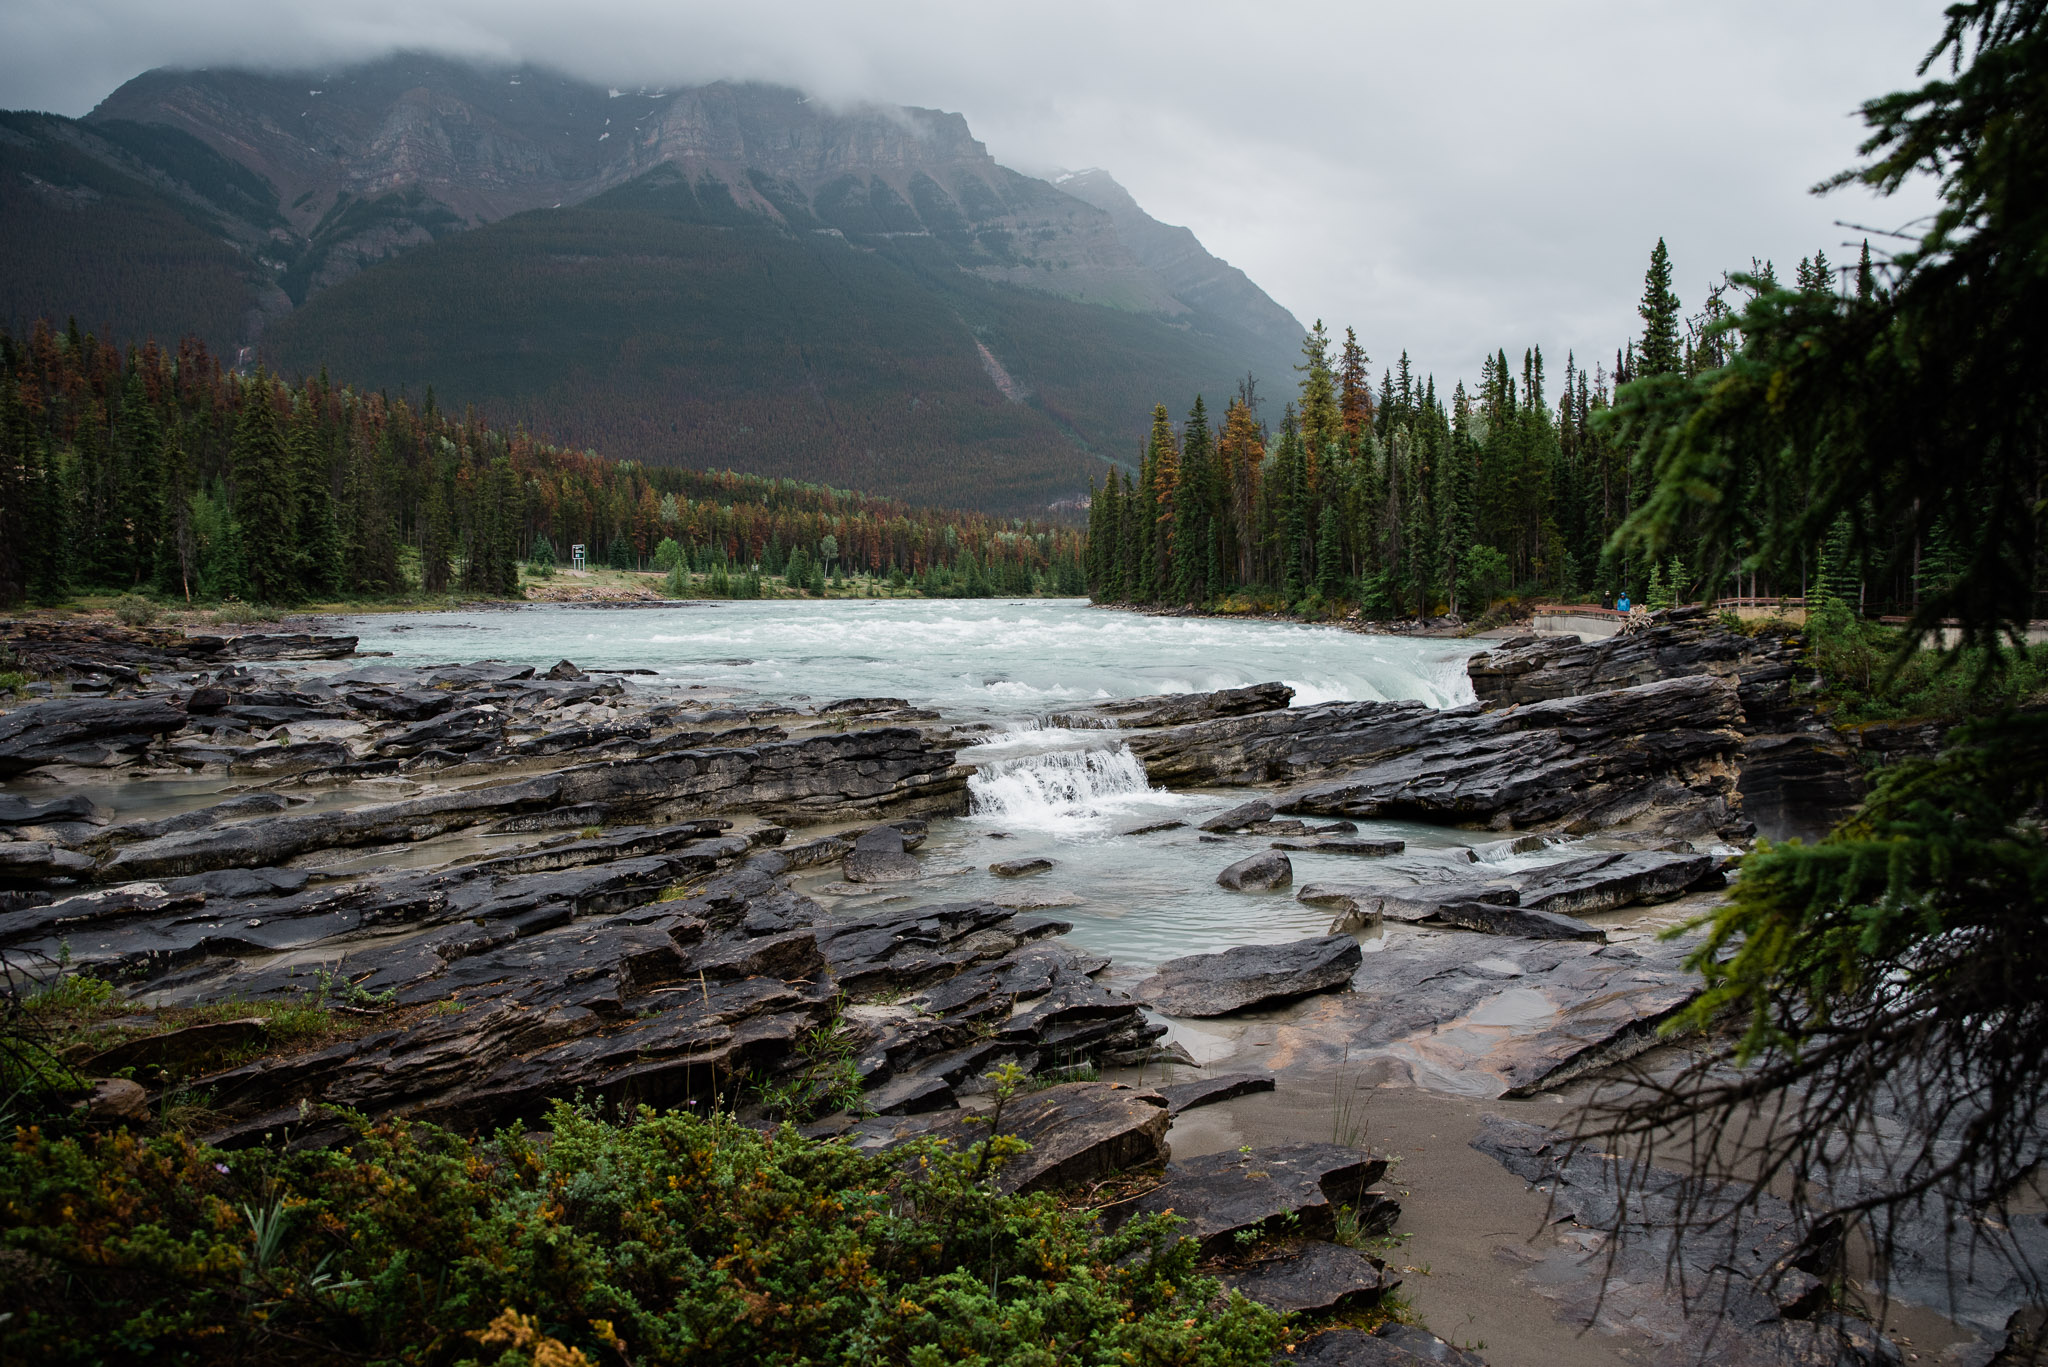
(1057, 787)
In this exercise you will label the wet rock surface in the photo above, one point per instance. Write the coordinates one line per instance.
(1078, 1131)
(1250, 976)
(1537, 903)
(1174, 709)
(1313, 1277)
(1185, 1096)
(1660, 757)
(1259, 873)
(1297, 1188)
(1488, 1017)
(1391, 1345)
(1768, 1309)
(1799, 777)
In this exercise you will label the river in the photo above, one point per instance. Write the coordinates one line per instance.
(1061, 794)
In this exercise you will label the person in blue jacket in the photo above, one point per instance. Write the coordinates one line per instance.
(1621, 603)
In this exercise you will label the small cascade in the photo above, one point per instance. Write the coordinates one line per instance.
(1056, 787)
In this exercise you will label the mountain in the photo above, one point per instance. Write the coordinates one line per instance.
(729, 274)
(1178, 258)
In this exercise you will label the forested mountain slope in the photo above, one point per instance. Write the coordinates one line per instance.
(733, 274)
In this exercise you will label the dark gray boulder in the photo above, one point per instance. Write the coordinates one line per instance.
(1660, 757)
(38, 861)
(1313, 1277)
(1076, 1130)
(84, 731)
(1262, 872)
(1186, 1096)
(1602, 882)
(1223, 1194)
(1390, 1345)
(879, 857)
(21, 811)
(1174, 709)
(1250, 976)
(1238, 817)
(1369, 849)
(1496, 918)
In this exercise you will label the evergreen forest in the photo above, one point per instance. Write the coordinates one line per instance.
(144, 469)
(1394, 500)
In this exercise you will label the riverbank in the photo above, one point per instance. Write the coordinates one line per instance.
(499, 882)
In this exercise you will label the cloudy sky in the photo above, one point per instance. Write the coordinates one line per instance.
(1448, 176)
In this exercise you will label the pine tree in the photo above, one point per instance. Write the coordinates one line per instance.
(1354, 389)
(264, 510)
(1659, 353)
(1194, 507)
(1320, 421)
(1162, 461)
(141, 439)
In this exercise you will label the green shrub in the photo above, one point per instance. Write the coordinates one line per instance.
(133, 610)
(663, 1238)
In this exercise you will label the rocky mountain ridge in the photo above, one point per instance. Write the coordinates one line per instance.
(465, 145)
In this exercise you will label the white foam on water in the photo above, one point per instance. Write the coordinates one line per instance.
(994, 660)
(1066, 791)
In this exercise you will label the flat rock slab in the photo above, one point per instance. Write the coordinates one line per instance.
(1185, 1096)
(90, 731)
(1313, 1277)
(1174, 709)
(1221, 1194)
(1250, 976)
(189, 1045)
(1487, 1018)
(1391, 1345)
(1261, 873)
(1154, 827)
(1019, 868)
(1492, 918)
(1035, 901)
(1077, 1131)
(1371, 849)
(1238, 817)
(1602, 882)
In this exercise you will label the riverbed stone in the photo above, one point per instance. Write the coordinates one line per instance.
(1174, 709)
(1659, 757)
(1367, 849)
(93, 732)
(1186, 1096)
(1077, 1131)
(1312, 1278)
(879, 857)
(1220, 1195)
(1496, 918)
(1260, 873)
(1240, 816)
(1019, 868)
(1390, 1345)
(1250, 976)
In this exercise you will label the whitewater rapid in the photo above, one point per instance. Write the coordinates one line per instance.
(1001, 660)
